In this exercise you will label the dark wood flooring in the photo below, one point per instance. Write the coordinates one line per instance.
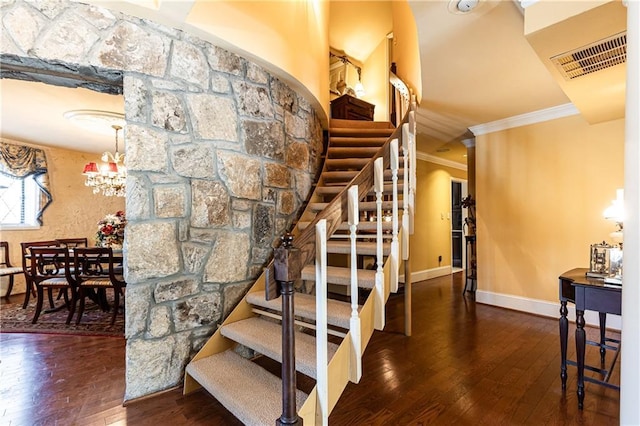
(466, 363)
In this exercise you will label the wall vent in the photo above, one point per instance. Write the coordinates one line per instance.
(594, 57)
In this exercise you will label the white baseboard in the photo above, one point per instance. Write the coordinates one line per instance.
(542, 307)
(426, 274)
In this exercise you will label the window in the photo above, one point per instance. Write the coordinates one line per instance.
(19, 202)
(24, 186)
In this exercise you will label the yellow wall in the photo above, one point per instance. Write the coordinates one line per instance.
(375, 78)
(432, 234)
(292, 35)
(75, 210)
(541, 190)
(406, 53)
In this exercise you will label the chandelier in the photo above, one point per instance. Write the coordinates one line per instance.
(110, 177)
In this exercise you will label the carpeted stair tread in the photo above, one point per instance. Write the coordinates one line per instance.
(345, 176)
(352, 152)
(338, 124)
(247, 390)
(363, 206)
(336, 189)
(362, 247)
(342, 276)
(357, 141)
(338, 313)
(265, 337)
(345, 163)
(362, 226)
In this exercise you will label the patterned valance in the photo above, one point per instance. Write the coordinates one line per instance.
(20, 161)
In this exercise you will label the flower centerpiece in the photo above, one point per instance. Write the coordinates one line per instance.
(111, 230)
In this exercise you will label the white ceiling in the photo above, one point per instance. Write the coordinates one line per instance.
(33, 112)
(476, 68)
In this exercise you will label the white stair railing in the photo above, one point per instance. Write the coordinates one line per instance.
(412, 177)
(379, 286)
(354, 321)
(406, 154)
(394, 163)
(322, 372)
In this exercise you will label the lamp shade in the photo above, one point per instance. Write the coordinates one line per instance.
(90, 168)
(615, 211)
(112, 167)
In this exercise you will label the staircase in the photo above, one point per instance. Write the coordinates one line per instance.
(347, 244)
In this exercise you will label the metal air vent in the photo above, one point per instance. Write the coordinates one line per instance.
(594, 57)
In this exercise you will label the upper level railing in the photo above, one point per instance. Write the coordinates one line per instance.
(400, 100)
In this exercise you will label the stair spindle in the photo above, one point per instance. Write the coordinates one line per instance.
(322, 373)
(393, 147)
(354, 322)
(405, 191)
(379, 286)
(412, 166)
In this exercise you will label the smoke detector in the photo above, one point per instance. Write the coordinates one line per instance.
(462, 6)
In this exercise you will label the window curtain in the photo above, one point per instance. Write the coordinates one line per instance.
(20, 161)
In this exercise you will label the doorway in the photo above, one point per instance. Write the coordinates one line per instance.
(458, 192)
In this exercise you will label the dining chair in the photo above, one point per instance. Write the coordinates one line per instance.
(72, 242)
(94, 271)
(25, 252)
(49, 268)
(6, 269)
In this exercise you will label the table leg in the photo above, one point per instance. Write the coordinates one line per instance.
(580, 347)
(603, 327)
(564, 331)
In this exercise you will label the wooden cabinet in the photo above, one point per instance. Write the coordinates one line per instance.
(349, 108)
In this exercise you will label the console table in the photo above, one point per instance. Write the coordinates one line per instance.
(349, 108)
(588, 294)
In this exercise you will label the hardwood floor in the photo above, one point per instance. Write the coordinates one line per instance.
(464, 364)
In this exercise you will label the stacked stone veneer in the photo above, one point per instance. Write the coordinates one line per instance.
(221, 156)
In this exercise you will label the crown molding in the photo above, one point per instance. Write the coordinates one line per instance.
(526, 3)
(525, 119)
(469, 143)
(441, 161)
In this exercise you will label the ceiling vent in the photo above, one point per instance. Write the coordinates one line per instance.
(597, 56)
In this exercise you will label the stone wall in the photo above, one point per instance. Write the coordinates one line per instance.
(221, 156)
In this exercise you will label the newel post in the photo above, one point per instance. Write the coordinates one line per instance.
(287, 270)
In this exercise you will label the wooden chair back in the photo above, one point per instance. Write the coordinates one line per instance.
(49, 262)
(6, 268)
(72, 242)
(49, 267)
(26, 252)
(94, 268)
(4, 255)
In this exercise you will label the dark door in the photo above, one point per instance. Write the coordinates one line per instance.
(456, 224)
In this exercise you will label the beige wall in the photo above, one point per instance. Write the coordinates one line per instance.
(375, 78)
(75, 210)
(432, 234)
(541, 190)
(406, 53)
(291, 35)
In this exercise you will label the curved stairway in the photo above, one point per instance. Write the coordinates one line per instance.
(251, 393)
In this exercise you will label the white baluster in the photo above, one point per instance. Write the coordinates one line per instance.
(379, 287)
(322, 362)
(405, 191)
(395, 163)
(354, 322)
(412, 175)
